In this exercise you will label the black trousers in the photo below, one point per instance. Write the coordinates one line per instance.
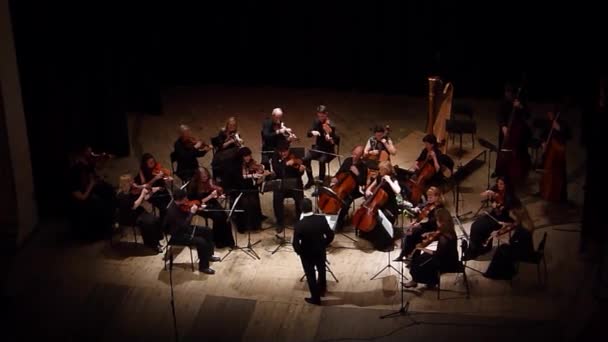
(266, 158)
(315, 285)
(411, 240)
(480, 232)
(278, 204)
(202, 240)
(344, 212)
(150, 228)
(322, 158)
(160, 200)
(424, 268)
(251, 218)
(222, 229)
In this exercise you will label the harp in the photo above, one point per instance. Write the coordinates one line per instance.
(440, 108)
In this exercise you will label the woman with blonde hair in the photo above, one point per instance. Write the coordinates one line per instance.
(519, 248)
(225, 164)
(437, 254)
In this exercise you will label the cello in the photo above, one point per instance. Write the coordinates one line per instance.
(551, 184)
(331, 203)
(417, 184)
(365, 217)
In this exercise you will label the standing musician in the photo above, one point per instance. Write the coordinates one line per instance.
(355, 165)
(287, 168)
(424, 224)
(513, 159)
(519, 248)
(379, 143)
(93, 200)
(178, 223)
(553, 184)
(274, 132)
(203, 189)
(225, 164)
(186, 150)
(429, 261)
(152, 174)
(253, 174)
(326, 140)
(502, 199)
(132, 213)
(311, 237)
(387, 181)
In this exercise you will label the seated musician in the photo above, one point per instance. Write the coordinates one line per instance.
(152, 174)
(519, 248)
(93, 200)
(432, 154)
(132, 213)
(178, 223)
(288, 169)
(553, 184)
(502, 199)
(378, 236)
(225, 163)
(203, 189)
(326, 139)
(355, 165)
(252, 176)
(187, 149)
(423, 225)
(379, 143)
(274, 132)
(428, 260)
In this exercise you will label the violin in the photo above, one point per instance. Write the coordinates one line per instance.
(424, 213)
(327, 129)
(507, 227)
(235, 137)
(296, 162)
(185, 207)
(257, 171)
(430, 238)
(288, 132)
(190, 142)
(158, 169)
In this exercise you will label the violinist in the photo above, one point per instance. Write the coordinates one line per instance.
(252, 176)
(288, 168)
(326, 140)
(187, 150)
(225, 164)
(424, 224)
(131, 211)
(274, 133)
(178, 223)
(501, 199)
(152, 174)
(437, 253)
(203, 189)
(379, 143)
(519, 248)
(355, 165)
(93, 201)
(386, 181)
(553, 184)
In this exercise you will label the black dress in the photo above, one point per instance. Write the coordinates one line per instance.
(425, 267)
(378, 236)
(225, 165)
(186, 157)
(222, 231)
(252, 216)
(411, 240)
(148, 224)
(160, 199)
(519, 248)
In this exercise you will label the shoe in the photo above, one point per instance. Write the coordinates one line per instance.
(308, 185)
(207, 270)
(313, 301)
(410, 284)
(323, 292)
(215, 258)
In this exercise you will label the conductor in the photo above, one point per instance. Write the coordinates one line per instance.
(312, 235)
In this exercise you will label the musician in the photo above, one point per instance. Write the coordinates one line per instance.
(252, 175)
(355, 165)
(379, 142)
(178, 223)
(326, 140)
(553, 184)
(152, 174)
(519, 248)
(378, 236)
(428, 261)
(186, 150)
(274, 132)
(431, 153)
(93, 201)
(311, 237)
(424, 224)
(202, 188)
(287, 168)
(225, 164)
(501, 199)
(132, 213)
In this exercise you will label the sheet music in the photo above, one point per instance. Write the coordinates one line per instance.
(332, 220)
(432, 246)
(388, 226)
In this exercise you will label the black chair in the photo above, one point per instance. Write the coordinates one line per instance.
(123, 223)
(461, 122)
(460, 268)
(537, 258)
(169, 252)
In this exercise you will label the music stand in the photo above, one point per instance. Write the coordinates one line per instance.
(489, 149)
(248, 249)
(390, 232)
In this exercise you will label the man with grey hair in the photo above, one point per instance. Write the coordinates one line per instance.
(273, 133)
(186, 151)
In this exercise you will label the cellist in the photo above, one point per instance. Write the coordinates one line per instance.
(553, 184)
(355, 165)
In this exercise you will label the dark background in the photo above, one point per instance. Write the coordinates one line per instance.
(83, 66)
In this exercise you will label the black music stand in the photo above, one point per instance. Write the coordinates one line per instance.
(248, 249)
(489, 149)
(388, 266)
(404, 307)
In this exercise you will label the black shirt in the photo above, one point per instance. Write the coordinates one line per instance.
(377, 145)
(185, 156)
(283, 171)
(321, 143)
(447, 253)
(79, 176)
(270, 139)
(126, 214)
(311, 236)
(424, 153)
(345, 167)
(177, 221)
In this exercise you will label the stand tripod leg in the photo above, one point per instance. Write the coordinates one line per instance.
(388, 266)
(404, 308)
(283, 242)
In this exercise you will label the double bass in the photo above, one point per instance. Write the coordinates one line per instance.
(510, 162)
(331, 203)
(551, 184)
(366, 217)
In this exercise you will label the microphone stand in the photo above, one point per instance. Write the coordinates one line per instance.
(404, 307)
(172, 297)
